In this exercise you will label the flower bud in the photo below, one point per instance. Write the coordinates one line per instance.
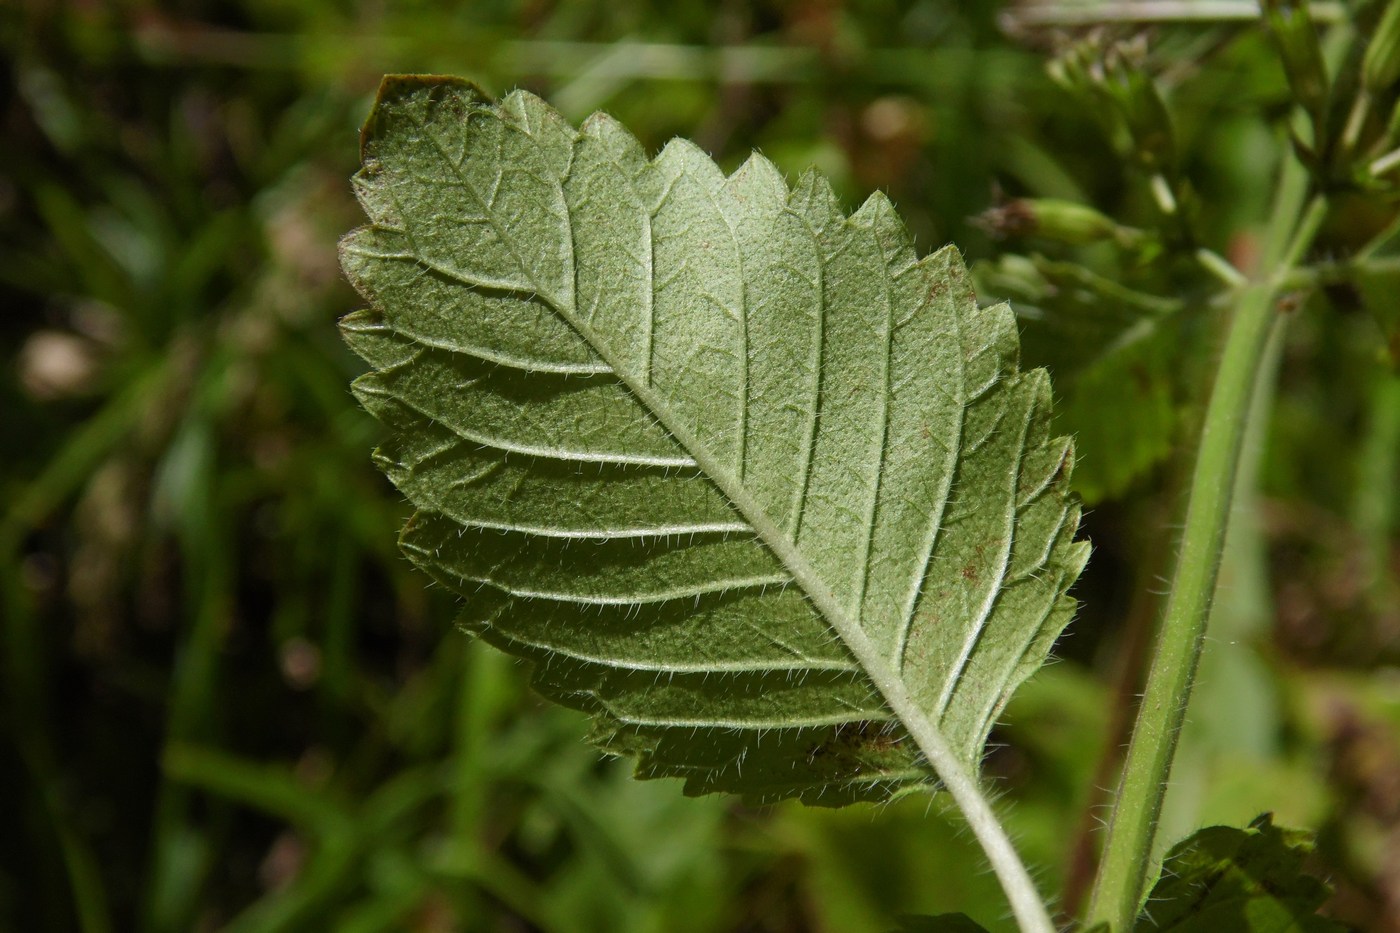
(1144, 111)
(1062, 221)
(1122, 96)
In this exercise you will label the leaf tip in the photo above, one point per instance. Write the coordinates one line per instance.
(398, 89)
(613, 136)
(602, 125)
(813, 190)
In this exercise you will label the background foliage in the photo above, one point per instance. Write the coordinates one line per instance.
(228, 702)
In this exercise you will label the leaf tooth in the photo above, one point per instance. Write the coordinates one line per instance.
(538, 119)
(1048, 470)
(813, 198)
(375, 199)
(624, 147)
(1031, 552)
(758, 186)
(367, 333)
(877, 214)
(995, 352)
(983, 432)
(680, 157)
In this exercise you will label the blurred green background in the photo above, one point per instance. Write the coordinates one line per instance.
(228, 703)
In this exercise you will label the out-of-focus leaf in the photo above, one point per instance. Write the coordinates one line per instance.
(943, 923)
(1378, 284)
(1247, 880)
(1121, 411)
(1114, 352)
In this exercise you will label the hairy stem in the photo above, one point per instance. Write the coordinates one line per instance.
(1026, 903)
(1129, 846)
(1130, 659)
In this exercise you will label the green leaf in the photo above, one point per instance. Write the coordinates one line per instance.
(1377, 285)
(742, 476)
(1117, 354)
(1250, 880)
(1121, 410)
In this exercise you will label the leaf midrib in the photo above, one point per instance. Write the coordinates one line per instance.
(956, 772)
(886, 679)
(886, 676)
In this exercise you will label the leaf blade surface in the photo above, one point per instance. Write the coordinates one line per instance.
(744, 477)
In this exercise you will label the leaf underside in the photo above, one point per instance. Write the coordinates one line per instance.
(668, 432)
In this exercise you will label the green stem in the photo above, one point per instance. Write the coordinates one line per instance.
(1128, 850)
